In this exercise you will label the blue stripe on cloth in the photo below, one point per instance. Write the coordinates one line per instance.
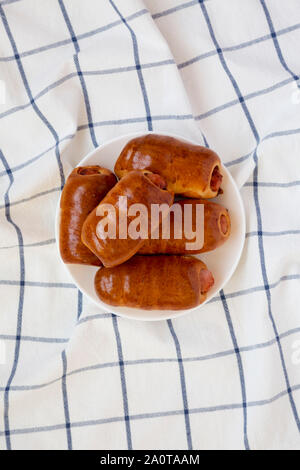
(79, 37)
(137, 64)
(123, 381)
(69, 26)
(251, 154)
(155, 16)
(65, 285)
(170, 117)
(28, 91)
(30, 198)
(91, 128)
(261, 184)
(35, 339)
(37, 157)
(239, 363)
(273, 234)
(275, 41)
(183, 386)
(20, 305)
(79, 72)
(69, 76)
(236, 161)
(29, 245)
(244, 98)
(191, 61)
(238, 293)
(267, 290)
(227, 71)
(95, 422)
(240, 366)
(87, 101)
(79, 305)
(7, 2)
(255, 133)
(129, 68)
(238, 47)
(167, 117)
(183, 6)
(261, 249)
(105, 365)
(197, 58)
(65, 399)
(95, 317)
(282, 134)
(205, 140)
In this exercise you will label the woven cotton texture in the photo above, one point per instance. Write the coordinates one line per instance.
(75, 74)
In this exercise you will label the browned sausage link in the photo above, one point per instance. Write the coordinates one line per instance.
(155, 282)
(216, 179)
(84, 189)
(216, 230)
(185, 167)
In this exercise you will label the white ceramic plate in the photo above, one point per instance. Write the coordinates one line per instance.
(222, 261)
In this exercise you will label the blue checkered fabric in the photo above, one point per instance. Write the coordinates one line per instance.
(75, 74)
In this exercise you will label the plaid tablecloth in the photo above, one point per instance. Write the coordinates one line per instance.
(73, 75)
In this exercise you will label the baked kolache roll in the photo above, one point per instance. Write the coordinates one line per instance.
(216, 230)
(85, 187)
(107, 230)
(189, 170)
(155, 283)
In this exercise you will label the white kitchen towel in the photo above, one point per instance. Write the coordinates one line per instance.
(75, 74)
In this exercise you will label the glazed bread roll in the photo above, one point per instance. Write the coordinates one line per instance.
(135, 187)
(85, 187)
(189, 170)
(216, 230)
(155, 283)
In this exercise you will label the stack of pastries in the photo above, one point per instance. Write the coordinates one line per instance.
(150, 272)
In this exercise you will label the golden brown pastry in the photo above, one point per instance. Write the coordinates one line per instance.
(85, 187)
(216, 230)
(189, 170)
(135, 187)
(155, 283)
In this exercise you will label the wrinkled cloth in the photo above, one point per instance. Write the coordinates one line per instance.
(74, 75)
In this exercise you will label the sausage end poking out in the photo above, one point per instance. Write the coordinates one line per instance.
(86, 171)
(223, 224)
(206, 280)
(216, 180)
(157, 180)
